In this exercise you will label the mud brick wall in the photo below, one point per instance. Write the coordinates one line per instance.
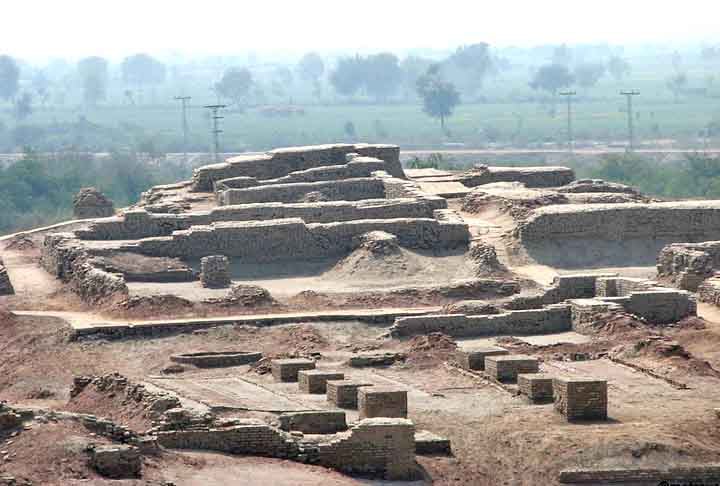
(708, 474)
(382, 401)
(662, 306)
(314, 422)
(538, 388)
(262, 241)
(314, 381)
(377, 446)
(683, 221)
(287, 369)
(281, 162)
(344, 393)
(550, 319)
(688, 264)
(339, 190)
(530, 176)
(475, 359)
(355, 168)
(507, 368)
(250, 436)
(585, 312)
(139, 223)
(581, 398)
(215, 271)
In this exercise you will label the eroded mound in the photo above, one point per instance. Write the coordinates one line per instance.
(377, 255)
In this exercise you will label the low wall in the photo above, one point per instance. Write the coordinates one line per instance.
(379, 447)
(530, 176)
(339, 190)
(551, 319)
(355, 168)
(64, 258)
(672, 475)
(615, 233)
(138, 223)
(6, 287)
(281, 162)
(688, 264)
(291, 238)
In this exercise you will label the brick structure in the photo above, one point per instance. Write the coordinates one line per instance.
(215, 271)
(536, 387)
(287, 369)
(91, 203)
(382, 401)
(475, 359)
(314, 422)
(344, 393)
(314, 381)
(507, 367)
(581, 398)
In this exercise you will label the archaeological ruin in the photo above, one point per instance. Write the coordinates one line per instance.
(328, 307)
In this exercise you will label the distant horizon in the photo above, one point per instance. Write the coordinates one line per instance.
(79, 28)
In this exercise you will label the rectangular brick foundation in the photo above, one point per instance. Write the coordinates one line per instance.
(382, 401)
(581, 398)
(287, 369)
(344, 393)
(475, 359)
(536, 387)
(506, 368)
(314, 381)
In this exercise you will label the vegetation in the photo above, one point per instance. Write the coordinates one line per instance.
(38, 190)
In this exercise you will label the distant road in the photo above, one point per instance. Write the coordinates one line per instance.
(551, 151)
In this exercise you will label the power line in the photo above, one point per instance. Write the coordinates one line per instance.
(631, 129)
(216, 129)
(184, 100)
(569, 96)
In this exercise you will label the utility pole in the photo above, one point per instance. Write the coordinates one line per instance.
(216, 129)
(184, 100)
(631, 130)
(569, 96)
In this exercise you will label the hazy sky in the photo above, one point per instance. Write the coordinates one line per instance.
(113, 28)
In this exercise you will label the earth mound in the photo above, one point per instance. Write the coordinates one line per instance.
(376, 256)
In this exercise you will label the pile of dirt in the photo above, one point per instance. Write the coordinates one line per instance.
(376, 256)
(430, 350)
(6, 317)
(20, 242)
(304, 339)
(617, 324)
(471, 308)
(152, 306)
(245, 296)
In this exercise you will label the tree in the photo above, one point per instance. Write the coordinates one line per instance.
(588, 74)
(9, 78)
(619, 68)
(311, 68)
(23, 107)
(93, 73)
(381, 75)
(143, 70)
(347, 78)
(676, 83)
(235, 84)
(469, 66)
(413, 67)
(551, 78)
(41, 85)
(439, 97)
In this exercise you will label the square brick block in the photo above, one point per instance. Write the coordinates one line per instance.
(507, 367)
(382, 401)
(536, 387)
(314, 381)
(344, 393)
(581, 398)
(474, 359)
(287, 369)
